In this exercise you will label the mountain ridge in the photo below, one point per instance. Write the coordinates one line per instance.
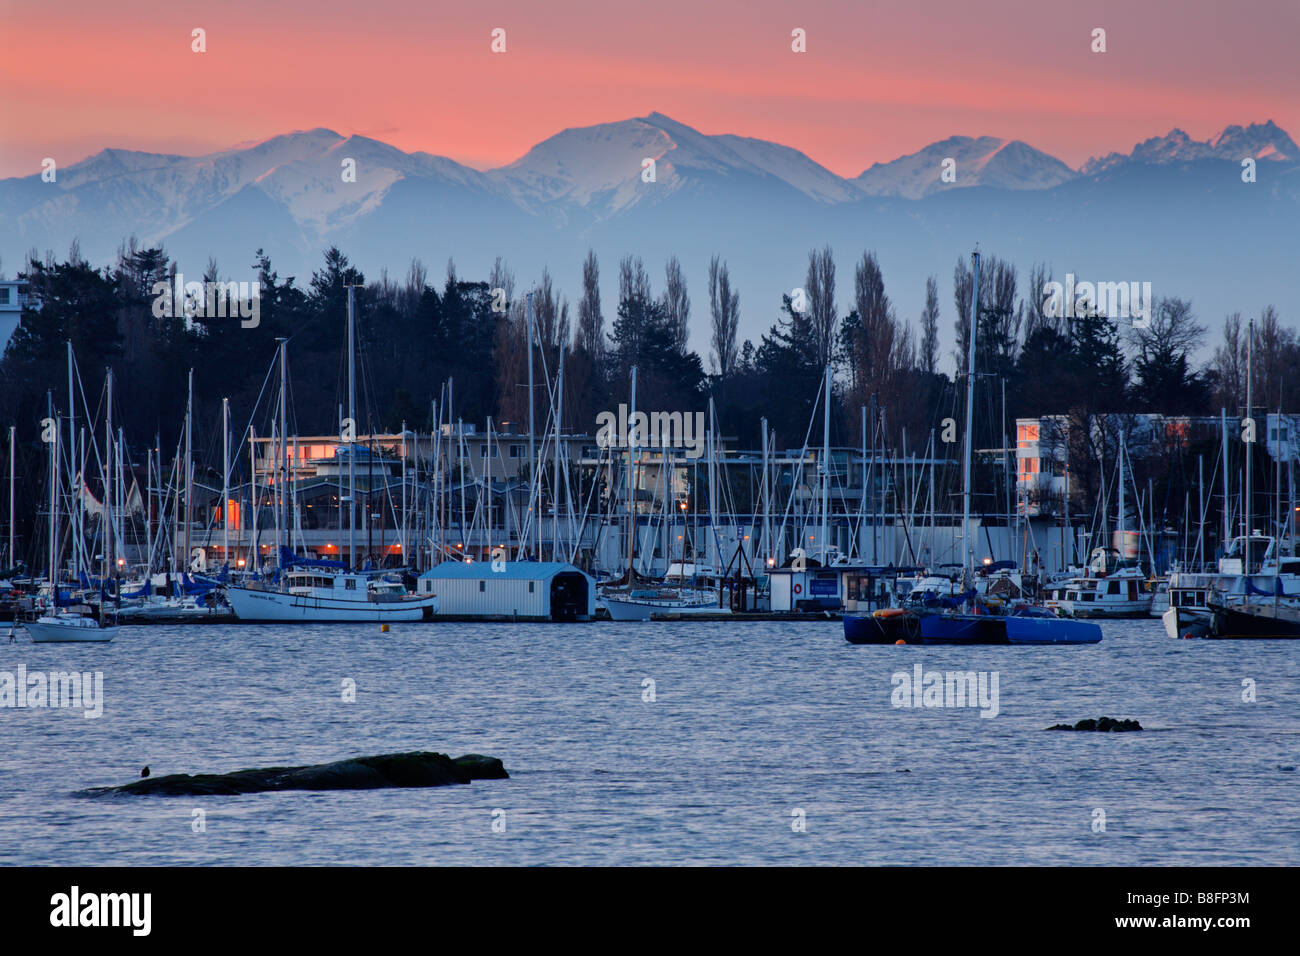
(762, 205)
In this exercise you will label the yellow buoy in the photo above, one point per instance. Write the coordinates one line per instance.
(383, 628)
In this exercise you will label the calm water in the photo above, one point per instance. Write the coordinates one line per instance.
(750, 723)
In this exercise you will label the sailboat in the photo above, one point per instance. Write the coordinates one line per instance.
(1106, 591)
(1235, 607)
(61, 625)
(973, 623)
(632, 597)
(324, 591)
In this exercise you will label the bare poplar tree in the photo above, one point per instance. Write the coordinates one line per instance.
(820, 289)
(876, 337)
(633, 280)
(551, 313)
(501, 277)
(1229, 365)
(677, 304)
(724, 309)
(930, 327)
(591, 323)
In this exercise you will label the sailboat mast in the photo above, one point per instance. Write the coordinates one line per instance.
(714, 514)
(54, 481)
(189, 463)
(120, 511)
(73, 486)
(555, 492)
(225, 480)
(1250, 445)
(532, 451)
(109, 541)
(12, 447)
(401, 536)
(279, 446)
(767, 495)
(254, 556)
(631, 486)
(826, 454)
(1123, 524)
(1227, 500)
(148, 521)
(352, 425)
(967, 552)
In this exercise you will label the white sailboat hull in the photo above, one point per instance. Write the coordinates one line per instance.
(68, 630)
(633, 609)
(270, 606)
(627, 610)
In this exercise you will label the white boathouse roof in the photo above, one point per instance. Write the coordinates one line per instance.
(508, 570)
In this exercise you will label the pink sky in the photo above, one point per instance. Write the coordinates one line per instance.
(880, 79)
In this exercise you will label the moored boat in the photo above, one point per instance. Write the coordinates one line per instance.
(890, 625)
(1255, 622)
(68, 629)
(647, 603)
(1022, 628)
(330, 598)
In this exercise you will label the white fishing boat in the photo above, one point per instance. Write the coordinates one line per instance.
(326, 597)
(1120, 595)
(67, 628)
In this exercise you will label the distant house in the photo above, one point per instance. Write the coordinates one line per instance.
(13, 297)
(518, 590)
(1043, 447)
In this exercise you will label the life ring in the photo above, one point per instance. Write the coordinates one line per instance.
(798, 589)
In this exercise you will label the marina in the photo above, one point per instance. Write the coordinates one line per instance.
(550, 525)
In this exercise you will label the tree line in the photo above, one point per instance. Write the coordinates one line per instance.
(418, 332)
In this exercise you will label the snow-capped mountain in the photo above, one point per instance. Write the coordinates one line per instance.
(1260, 141)
(761, 205)
(600, 168)
(982, 161)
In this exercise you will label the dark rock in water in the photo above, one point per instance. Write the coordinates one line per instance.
(479, 767)
(415, 769)
(144, 772)
(1102, 725)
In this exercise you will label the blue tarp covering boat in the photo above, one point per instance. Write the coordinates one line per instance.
(1006, 629)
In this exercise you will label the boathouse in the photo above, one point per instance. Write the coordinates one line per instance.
(850, 587)
(511, 590)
